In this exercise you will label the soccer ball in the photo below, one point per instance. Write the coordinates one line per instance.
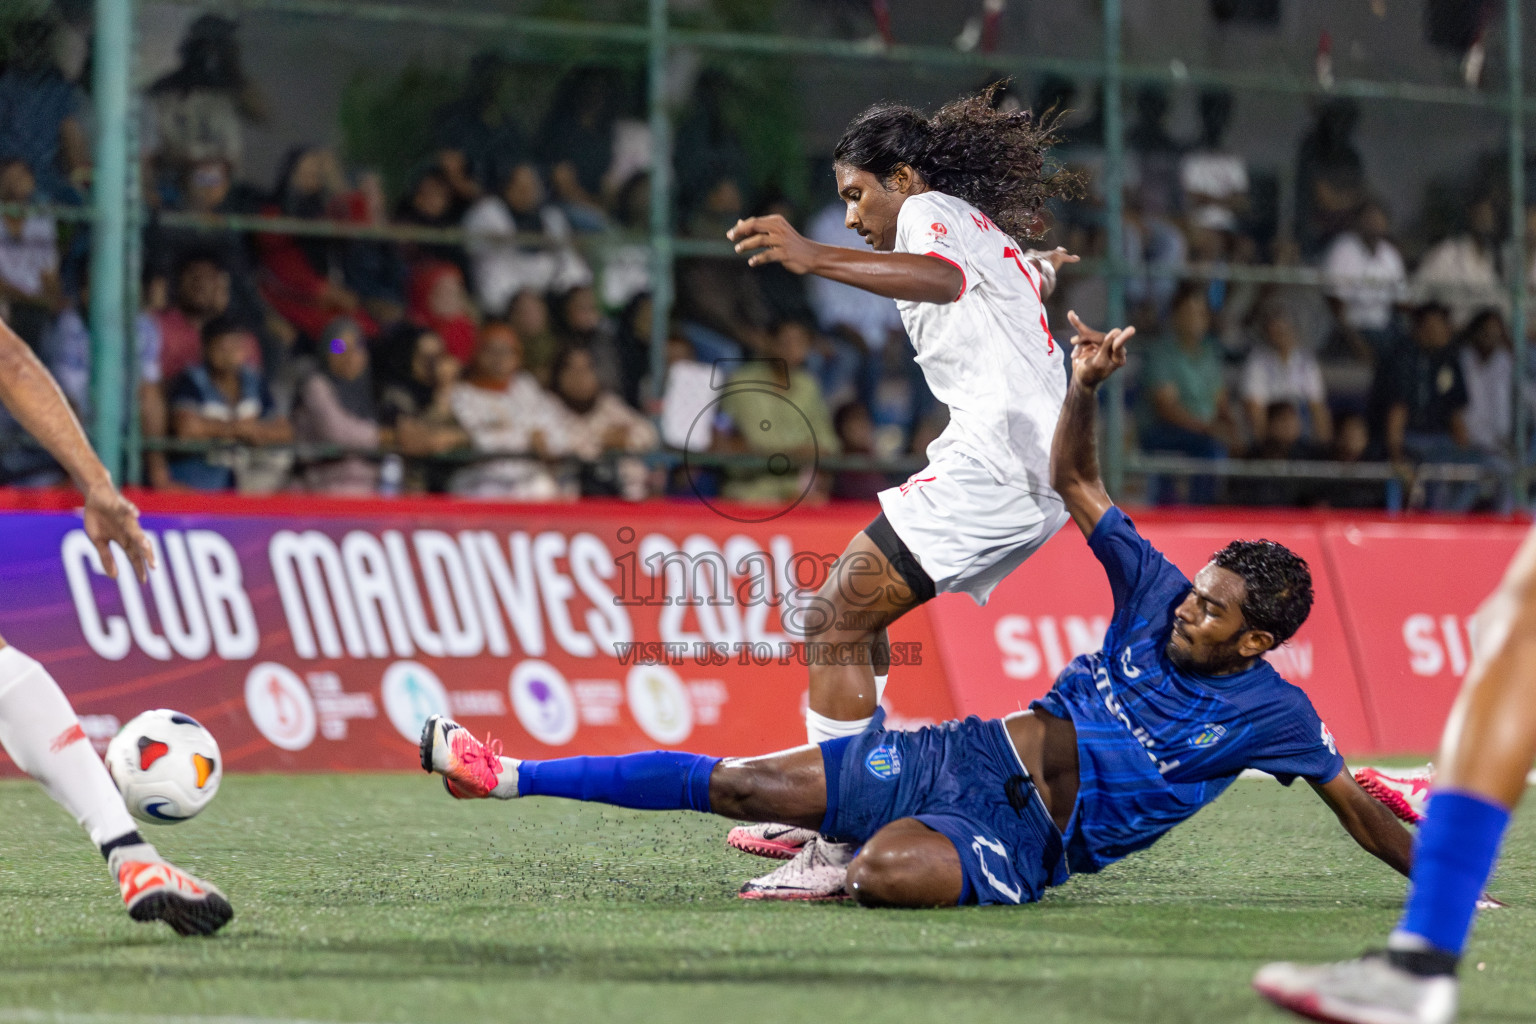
(166, 765)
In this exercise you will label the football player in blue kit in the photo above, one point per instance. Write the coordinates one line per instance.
(1129, 742)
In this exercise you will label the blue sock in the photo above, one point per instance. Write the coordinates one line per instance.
(657, 780)
(1452, 859)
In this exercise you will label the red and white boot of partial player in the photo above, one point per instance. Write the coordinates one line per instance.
(1405, 792)
(154, 890)
(471, 770)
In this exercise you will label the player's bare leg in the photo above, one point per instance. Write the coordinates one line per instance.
(789, 786)
(38, 728)
(778, 840)
(781, 841)
(846, 631)
(906, 864)
(846, 622)
(849, 652)
(42, 735)
(1487, 749)
(1490, 737)
(794, 782)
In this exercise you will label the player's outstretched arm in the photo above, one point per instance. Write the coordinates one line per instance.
(1074, 450)
(1048, 263)
(896, 275)
(33, 397)
(1368, 821)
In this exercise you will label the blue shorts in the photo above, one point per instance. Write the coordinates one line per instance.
(962, 779)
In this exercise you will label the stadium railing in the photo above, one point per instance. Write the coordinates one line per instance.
(1397, 481)
(115, 270)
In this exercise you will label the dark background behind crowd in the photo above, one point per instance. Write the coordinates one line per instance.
(508, 354)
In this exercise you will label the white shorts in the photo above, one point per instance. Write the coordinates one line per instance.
(967, 530)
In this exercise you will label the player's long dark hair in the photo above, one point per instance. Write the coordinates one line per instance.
(992, 159)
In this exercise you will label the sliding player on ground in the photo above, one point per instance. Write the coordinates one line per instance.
(941, 201)
(1129, 742)
(38, 728)
(1488, 747)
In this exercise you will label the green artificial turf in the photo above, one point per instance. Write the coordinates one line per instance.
(377, 898)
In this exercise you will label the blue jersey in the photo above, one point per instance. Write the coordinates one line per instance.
(1155, 743)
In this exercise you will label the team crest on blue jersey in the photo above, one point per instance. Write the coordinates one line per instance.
(1208, 736)
(883, 762)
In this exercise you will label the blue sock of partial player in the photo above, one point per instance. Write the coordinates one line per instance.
(657, 780)
(1452, 859)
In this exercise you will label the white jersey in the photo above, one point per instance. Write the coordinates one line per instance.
(989, 355)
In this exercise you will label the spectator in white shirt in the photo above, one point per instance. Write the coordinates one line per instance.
(1488, 366)
(502, 265)
(503, 409)
(1367, 281)
(626, 266)
(1279, 369)
(1462, 271)
(1212, 175)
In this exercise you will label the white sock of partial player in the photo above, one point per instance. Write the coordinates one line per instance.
(39, 730)
(506, 783)
(820, 728)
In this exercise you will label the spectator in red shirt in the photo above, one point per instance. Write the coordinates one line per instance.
(304, 276)
(201, 294)
(440, 301)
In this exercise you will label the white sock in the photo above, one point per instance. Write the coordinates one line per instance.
(880, 688)
(1407, 942)
(142, 853)
(506, 783)
(39, 730)
(820, 728)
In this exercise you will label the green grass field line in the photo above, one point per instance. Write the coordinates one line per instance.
(24, 1016)
(377, 898)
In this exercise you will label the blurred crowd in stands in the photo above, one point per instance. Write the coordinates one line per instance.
(513, 360)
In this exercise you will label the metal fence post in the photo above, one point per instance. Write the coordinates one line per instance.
(661, 194)
(1517, 278)
(109, 308)
(1114, 240)
(133, 269)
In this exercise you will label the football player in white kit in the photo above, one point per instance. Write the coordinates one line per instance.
(941, 202)
(38, 727)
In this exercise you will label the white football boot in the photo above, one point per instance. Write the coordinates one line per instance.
(154, 890)
(766, 839)
(1370, 990)
(818, 872)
